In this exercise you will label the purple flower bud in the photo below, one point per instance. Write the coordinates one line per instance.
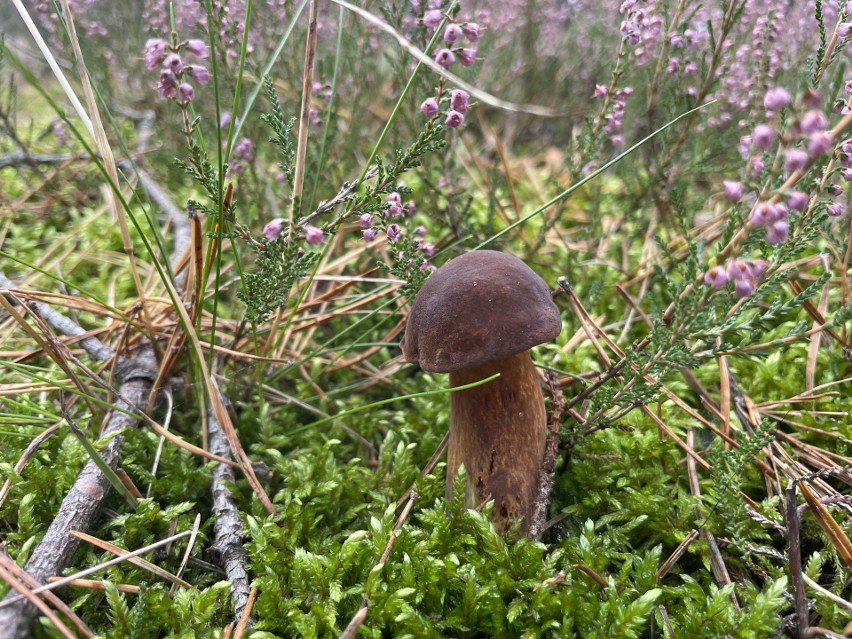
(758, 268)
(734, 191)
(844, 29)
(795, 159)
(835, 209)
(776, 98)
(819, 143)
(459, 99)
(762, 136)
(154, 50)
(393, 197)
(273, 228)
(846, 174)
(369, 234)
(313, 235)
(454, 119)
(185, 92)
(167, 85)
(472, 31)
(846, 147)
(755, 163)
(427, 247)
(198, 73)
(197, 47)
(797, 200)
(420, 230)
(779, 212)
(600, 91)
(813, 121)
(716, 277)
(467, 57)
(762, 214)
(393, 232)
(452, 33)
(365, 220)
(834, 190)
(743, 288)
(173, 62)
(445, 58)
(394, 210)
(433, 18)
(739, 270)
(429, 108)
(409, 207)
(776, 233)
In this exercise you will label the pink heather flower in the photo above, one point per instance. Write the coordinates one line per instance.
(600, 91)
(819, 143)
(739, 270)
(427, 247)
(846, 147)
(273, 228)
(795, 159)
(743, 288)
(445, 58)
(716, 277)
(365, 221)
(776, 98)
(848, 86)
(454, 119)
(394, 210)
(758, 268)
(846, 174)
(467, 57)
(409, 207)
(844, 30)
(185, 92)
(472, 31)
(154, 50)
(835, 209)
(393, 232)
(369, 234)
(755, 163)
(393, 197)
(834, 190)
(420, 230)
(762, 136)
(813, 121)
(797, 200)
(433, 18)
(313, 235)
(776, 233)
(173, 62)
(459, 99)
(198, 73)
(167, 85)
(617, 141)
(778, 212)
(734, 191)
(197, 47)
(429, 108)
(452, 33)
(762, 214)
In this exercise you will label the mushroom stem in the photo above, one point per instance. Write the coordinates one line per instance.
(498, 433)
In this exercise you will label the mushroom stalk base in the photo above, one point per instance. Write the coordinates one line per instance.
(498, 434)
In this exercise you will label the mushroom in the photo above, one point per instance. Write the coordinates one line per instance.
(478, 315)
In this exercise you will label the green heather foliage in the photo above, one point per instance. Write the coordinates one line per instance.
(646, 188)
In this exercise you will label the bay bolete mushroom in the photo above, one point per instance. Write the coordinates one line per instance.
(478, 315)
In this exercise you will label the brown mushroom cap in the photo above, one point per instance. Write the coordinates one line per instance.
(478, 307)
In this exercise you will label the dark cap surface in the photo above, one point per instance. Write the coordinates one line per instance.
(478, 307)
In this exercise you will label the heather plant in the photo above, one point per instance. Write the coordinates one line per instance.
(216, 214)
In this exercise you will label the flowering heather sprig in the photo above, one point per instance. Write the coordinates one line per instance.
(743, 274)
(173, 83)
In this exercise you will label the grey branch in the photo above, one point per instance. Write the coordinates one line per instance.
(228, 526)
(92, 345)
(83, 501)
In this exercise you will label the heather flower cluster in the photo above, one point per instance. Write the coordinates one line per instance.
(175, 73)
(456, 39)
(742, 274)
(614, 106)
(275, 227)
